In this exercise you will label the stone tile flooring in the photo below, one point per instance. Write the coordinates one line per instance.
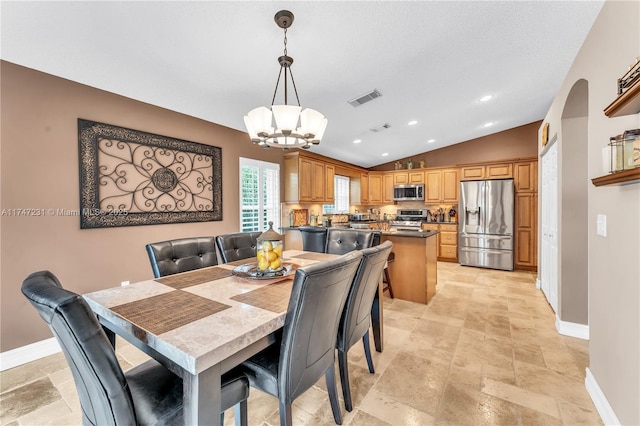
(484, 352)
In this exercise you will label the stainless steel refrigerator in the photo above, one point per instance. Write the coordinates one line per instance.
(486, 223)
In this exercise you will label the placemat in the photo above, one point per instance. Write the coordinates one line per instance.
(178, 308)
(315, 256)
(199, 276)
(242, 261)
(273, 297)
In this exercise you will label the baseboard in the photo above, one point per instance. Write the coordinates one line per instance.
(600, 401)
(538, 283)
(25, 354)
(571, 329)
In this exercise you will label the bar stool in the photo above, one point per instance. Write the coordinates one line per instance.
(387, 280)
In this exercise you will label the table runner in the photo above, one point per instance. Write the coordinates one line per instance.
(178, 307)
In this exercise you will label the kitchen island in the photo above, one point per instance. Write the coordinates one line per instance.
(414, 272)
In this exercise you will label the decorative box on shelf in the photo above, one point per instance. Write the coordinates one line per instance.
(625, 151)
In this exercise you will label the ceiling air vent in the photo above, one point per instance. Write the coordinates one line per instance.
(380, 128)
(363, 99)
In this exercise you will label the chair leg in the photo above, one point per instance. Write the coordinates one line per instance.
(367, 353)
(330, 377)
(286, 419)
(343, 365)
(387, 280)
(240, 413)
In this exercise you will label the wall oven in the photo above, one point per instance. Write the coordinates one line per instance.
(408, 192)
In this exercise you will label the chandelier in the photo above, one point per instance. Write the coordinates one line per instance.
(294, 127)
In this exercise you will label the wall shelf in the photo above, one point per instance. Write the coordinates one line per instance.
(618, 178)
(626, 104)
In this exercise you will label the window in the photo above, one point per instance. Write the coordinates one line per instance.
(259, 195)
(341, 196)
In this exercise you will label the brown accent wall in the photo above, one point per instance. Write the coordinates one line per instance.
(39, 169)
(519, 142)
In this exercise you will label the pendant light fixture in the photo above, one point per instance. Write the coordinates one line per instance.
(294, 127)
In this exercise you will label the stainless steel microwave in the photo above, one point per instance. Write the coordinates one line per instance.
(408, 192)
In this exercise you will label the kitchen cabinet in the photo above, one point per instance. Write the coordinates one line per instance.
(408, 177)
(526, 215)
(364, 188)
(376, 188)
(447, 240)
(487, 171)
(329, 186)
(526, 176)
(441, 186)
(387, 194)
(306, 180)
(526, 247)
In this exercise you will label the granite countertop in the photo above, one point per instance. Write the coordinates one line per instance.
(411, 234)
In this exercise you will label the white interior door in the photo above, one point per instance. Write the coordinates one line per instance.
(549, 245)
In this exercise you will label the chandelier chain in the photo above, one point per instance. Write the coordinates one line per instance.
(285, 42)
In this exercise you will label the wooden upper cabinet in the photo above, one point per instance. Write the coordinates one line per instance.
(499, 171)
(364, 188)
(376, 188)
(308, 180)
(408, 177)
(329, 187)
(387, 194)
(318, 182)
(441, 186)
(526, 176)
(488, 171)
(450, 186)
(433, 186)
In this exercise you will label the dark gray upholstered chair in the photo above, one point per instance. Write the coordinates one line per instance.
(341, 241)
(148, 394)
(181, 255)
(307, 347)
(314, 238)
(237, 245)
(356, 316)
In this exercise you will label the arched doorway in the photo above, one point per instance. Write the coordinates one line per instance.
(573, 271)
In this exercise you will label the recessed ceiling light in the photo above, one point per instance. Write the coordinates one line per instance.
(486, 98)
(357, 141)
(431, 141)
(384, 154)
(412, 122)
(489, 124)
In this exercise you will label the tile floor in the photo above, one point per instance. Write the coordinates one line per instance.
(484, 352)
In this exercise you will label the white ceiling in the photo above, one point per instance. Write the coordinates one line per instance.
(431, 60)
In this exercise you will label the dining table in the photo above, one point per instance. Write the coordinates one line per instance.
(202, 323)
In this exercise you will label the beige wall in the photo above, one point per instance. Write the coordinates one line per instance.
(39, 169)
(612, 261)
(519, 142)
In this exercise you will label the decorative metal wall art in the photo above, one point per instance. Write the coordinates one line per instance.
(129, 177)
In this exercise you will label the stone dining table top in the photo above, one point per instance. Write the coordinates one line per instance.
(199, 318)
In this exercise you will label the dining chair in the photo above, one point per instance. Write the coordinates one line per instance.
(148, 394)
(306, 349)
(356, 316)
(314, 238)
(341, 241)
(181, 255)
(237, 245)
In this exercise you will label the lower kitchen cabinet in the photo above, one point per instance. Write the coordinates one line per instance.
(526, 247)
(447, 241)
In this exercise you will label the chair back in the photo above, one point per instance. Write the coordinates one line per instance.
(356, 316)
(237, 245)
(341, 241)
(314, 238)
(311, 324)
(181, 255)
(104, 394)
